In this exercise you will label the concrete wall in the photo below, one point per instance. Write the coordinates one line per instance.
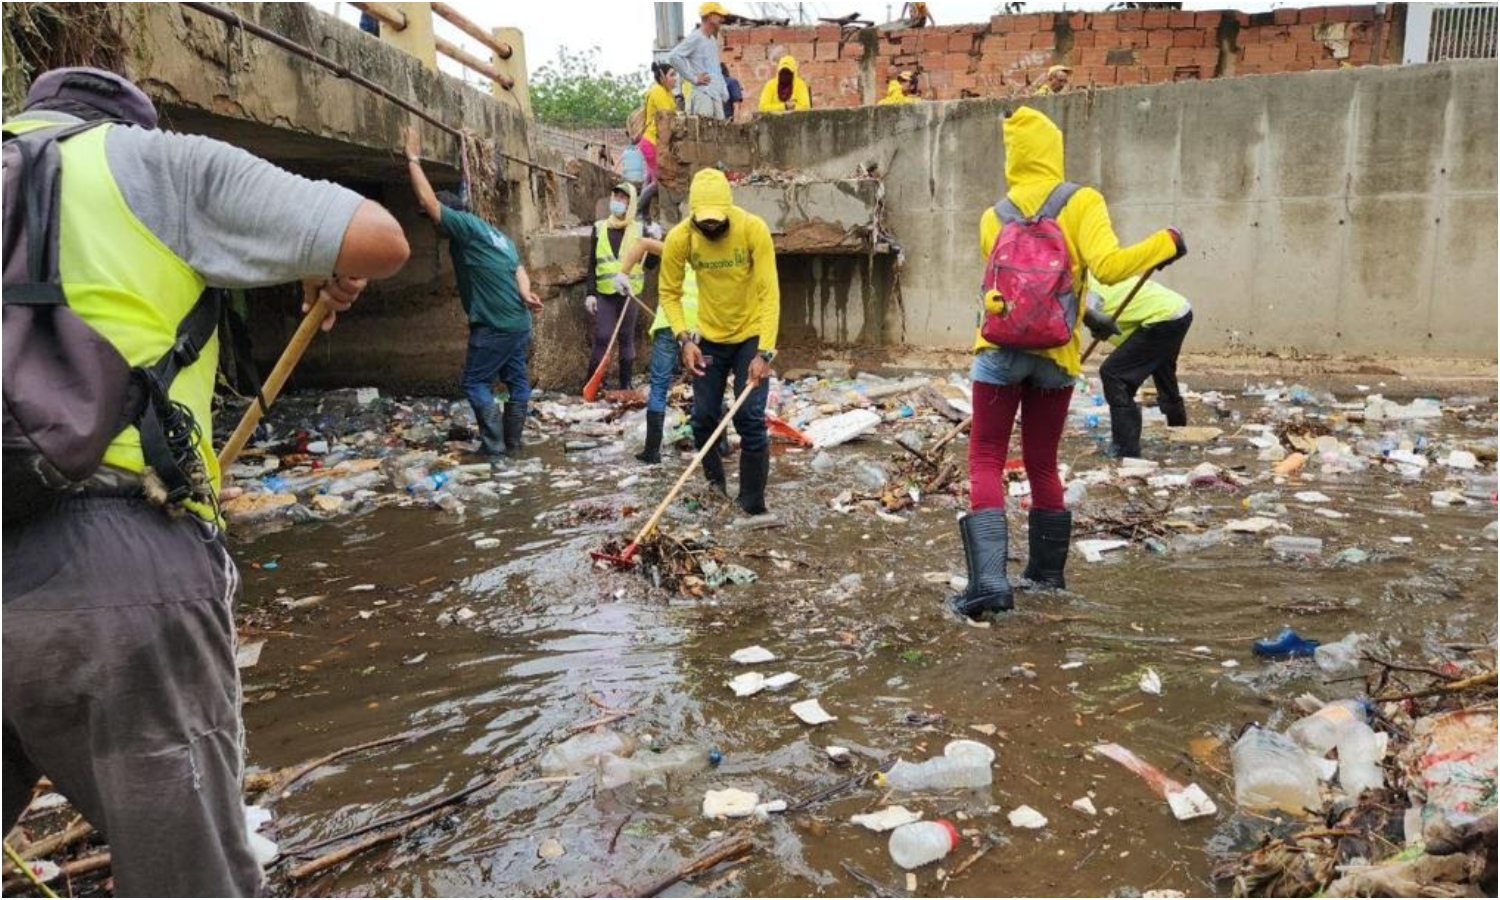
(1327, 212)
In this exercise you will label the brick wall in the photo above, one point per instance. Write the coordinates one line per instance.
(1008, 54)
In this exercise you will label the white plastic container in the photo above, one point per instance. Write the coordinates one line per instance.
(1320, 732)
(582, 753)
(916, 845)
(1271, 772)
(1340, 656)
(1360, 750)
(964, 764)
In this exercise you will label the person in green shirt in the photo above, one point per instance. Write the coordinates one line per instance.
(1148, 336)
(497, 298)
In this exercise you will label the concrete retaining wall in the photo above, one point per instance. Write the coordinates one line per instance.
(1326, 212)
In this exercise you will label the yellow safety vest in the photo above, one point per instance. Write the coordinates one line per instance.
(607, 264)
(127, 285)
(689, 303)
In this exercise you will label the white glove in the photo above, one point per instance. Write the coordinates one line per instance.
(654, 231)
(591, 303)
(622, 284)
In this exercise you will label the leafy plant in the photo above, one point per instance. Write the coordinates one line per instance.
(572, 91)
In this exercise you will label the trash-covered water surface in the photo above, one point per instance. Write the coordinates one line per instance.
(571, 727)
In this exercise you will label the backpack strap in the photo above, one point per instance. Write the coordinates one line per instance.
(1051, 207)
(41, 168)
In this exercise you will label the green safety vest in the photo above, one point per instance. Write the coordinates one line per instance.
(689, 303)
(606, 264)
(123, 281)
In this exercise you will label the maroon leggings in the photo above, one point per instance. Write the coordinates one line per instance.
(1044, 412)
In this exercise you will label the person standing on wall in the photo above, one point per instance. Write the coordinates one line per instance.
(787, 92)
(736, 93)
(739, 314)
(609, 298)
(1148, 336)
(696, 60)
(496, 295)
(119, 639)
(1037, 383)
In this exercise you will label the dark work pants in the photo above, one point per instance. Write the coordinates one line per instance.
(611, 307)
(719, 362)
(495, 354)
(1152, 352)
(120, 686)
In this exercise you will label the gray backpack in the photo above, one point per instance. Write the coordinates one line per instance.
(68, 392)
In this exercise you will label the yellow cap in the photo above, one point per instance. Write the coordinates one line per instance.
(1054, 69)
(710, 9)
(710, 196)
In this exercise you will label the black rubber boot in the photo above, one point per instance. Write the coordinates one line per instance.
(1125, 427)
(1049, 532)
(1176, 413)
(755, 470)
(713, 470)
(627, 373)
(491, 431)
(986, 539)
(515, 425)
(652, 453)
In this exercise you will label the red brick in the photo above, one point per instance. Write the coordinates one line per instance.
(1256, 54)
(827, 33)
(933, 41)
(1161, 37)
(802, 52)
(1311, 50)
(1181, 56)
(1207, 19)
(960, 43)
(1361, 14)
(1017, 41)
(1027, 23)
(1283, 53)
(1189, 39)
(1313, 15)
(956, 62)
(827, 51)
(1094, 56)
(1044, 40)
(1156, 18)
(1085, 39)
(997, 22)
(1106, 75)
(1285, 17)
(1104, 22)
(1078, 21)
(852, 50)
(1182, 19)
(1130, 20)
(1133, 74)
(1151, 56)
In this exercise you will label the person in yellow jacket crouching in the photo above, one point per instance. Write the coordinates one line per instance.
(739, 313)
(1149, 334)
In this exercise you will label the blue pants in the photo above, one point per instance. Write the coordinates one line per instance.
(719, 362)
(665, 363)
(495, 354)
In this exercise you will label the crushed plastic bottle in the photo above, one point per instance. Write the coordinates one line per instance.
(915, 845)
(1360, 751)
(650, 768)
(1291, 545)
(419, 481)
(1340, 656)
(1321, 731)
(583, 753)
(1272, 772)
(964, 764)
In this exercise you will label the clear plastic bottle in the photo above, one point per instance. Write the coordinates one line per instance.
(1320, 732)
(916, 845)
(582, 753)
(1360, 750)
(1340, 656)
(964, 764)
(648, 768)
(1271, 772)
(1292, 545)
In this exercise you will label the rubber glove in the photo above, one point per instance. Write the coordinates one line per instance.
(622, 284)
(591, 303)
(1181, 243)
(1102, 327)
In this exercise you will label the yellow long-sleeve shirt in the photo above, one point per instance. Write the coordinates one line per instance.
(1033, 167)
(739, 296)
(658, 99)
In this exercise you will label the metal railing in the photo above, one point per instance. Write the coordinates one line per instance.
(1439, 31)
(391, 17)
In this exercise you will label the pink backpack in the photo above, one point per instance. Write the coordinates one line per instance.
(1030, 268)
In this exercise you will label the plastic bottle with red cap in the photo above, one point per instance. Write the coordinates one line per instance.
(920, 843)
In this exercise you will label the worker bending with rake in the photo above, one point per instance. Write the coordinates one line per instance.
(1147, 333)
(739, 312)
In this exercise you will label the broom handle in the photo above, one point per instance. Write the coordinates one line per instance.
(709, 446)
(301, 338)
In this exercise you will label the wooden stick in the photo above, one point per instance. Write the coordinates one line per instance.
(733, 847)
(56, 842)
(283, 780)
(301, 338)
(1483, 679)
(968, 863)
(497, 47)
(875, 885)
(957, 430)
(397, 818)
(70, 869)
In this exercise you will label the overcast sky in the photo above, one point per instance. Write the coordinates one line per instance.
(625, 30)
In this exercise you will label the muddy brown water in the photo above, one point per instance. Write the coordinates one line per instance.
(377, 656)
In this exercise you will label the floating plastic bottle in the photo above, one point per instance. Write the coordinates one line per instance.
(419, 481)
(1360, 750)
(1272, 772)
(647, 768)
(1321, 731)
(582, 753)
(1292, 545)
(916, 845)
(964, 764)
(1340, 656)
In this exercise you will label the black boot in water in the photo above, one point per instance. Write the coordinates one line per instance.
(755, 470)
(491, 432)
(1176, 413)
(986, 541)
(1125, 428)
(627, 374)
(652, 453)
(515, 425)
(713, 470)
(1049, 532)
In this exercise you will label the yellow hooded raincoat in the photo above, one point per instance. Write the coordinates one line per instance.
(1033, 167)
(894, 94)
(738, 294)
(770, 102)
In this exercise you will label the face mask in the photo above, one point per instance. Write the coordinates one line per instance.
(617, 207)
(712, 229)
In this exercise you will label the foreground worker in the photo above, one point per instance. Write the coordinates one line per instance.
(1055, 82)
(696, 59)
(497, 299)
(119, 643)
(1039, 383)
(787, 92)
(665, 355)
(607, 302)
(739, 313)
(1148, 335)
(902, 89)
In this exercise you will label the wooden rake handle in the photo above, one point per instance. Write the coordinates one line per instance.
(277, 379)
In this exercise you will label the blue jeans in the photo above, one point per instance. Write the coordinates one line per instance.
(1003, 367)
(495, 354)
(664, 366)
(719, 362)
